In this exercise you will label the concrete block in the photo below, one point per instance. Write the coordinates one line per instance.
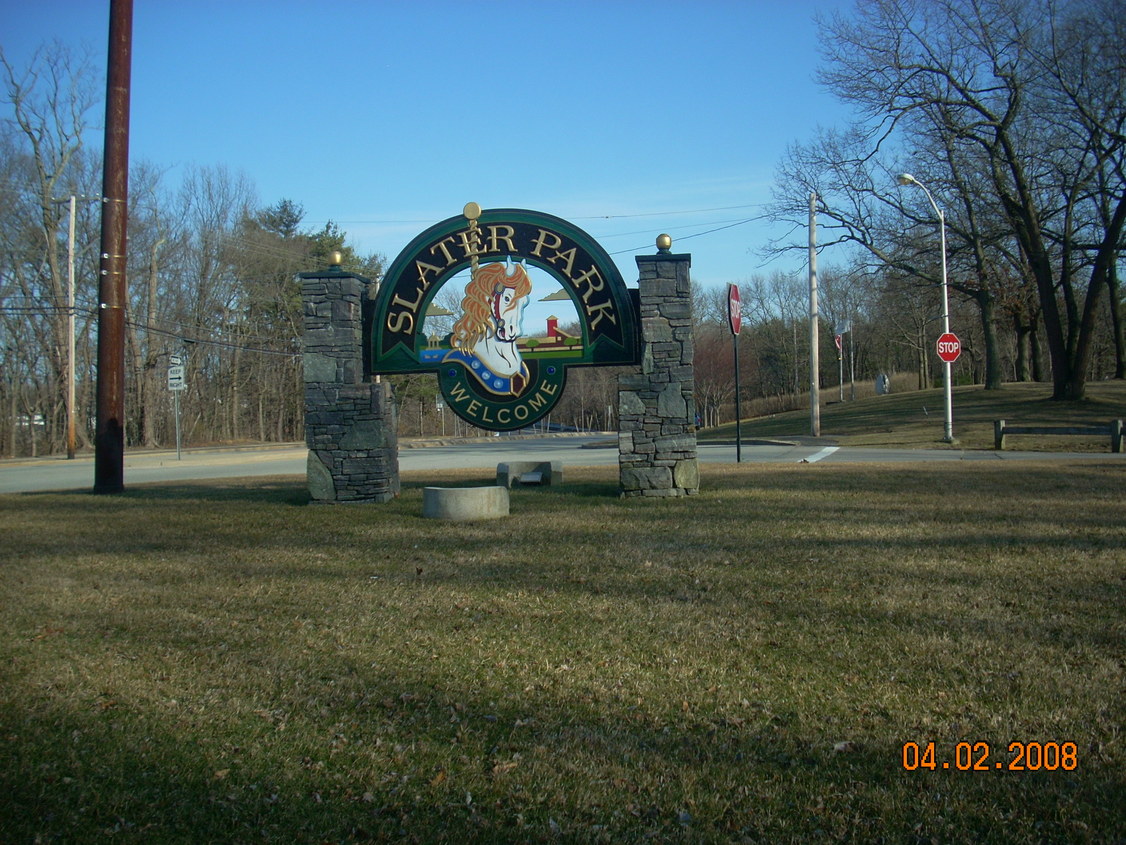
(464, 503)
(529, 472)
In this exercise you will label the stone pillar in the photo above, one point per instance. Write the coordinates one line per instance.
(350, 424)
(657, 406)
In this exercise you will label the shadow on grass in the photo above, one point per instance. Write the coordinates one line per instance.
(352, 753)
(274, 491)
(338, 674)
(271, 490)
(293, 490)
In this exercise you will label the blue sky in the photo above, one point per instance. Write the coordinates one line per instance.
(628, 119)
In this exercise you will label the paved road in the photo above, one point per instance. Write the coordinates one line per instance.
(35, 475)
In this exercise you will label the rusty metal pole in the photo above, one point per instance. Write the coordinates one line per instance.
(109, 436)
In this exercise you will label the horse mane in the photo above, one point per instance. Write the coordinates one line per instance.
(476, 306)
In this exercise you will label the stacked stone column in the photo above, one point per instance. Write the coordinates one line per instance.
(656, 406)
(350, 423)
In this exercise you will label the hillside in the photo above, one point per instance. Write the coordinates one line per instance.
(915, 419)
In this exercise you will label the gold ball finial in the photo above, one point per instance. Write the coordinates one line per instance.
(336, 256)
(471, 211)
(664, 243)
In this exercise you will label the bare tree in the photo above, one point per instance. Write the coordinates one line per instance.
(1028, 101)
(44, 120)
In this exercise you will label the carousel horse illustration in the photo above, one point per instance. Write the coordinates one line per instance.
(484, 338)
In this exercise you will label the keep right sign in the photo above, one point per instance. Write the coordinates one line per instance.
(949, 347)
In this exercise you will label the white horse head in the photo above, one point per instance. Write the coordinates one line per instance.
(493, 317)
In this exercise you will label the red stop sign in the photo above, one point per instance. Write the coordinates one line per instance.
(949, 347)
(734, 309)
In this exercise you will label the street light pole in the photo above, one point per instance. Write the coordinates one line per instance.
(814, 352)
(948, 433)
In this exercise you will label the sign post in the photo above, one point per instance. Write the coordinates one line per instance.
(838, 340)
(176, 384)
(845, 327)
(949, 353)
(735, 320)
(948, 348)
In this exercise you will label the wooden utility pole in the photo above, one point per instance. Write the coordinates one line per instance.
(70, 431)
(109, 435)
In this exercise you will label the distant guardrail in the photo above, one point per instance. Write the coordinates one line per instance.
(1001, 429)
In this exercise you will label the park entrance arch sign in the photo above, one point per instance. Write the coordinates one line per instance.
(532, 296)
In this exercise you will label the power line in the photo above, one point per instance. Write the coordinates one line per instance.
(696, 235)
(669, 213)
(49, 310)
(218, 343)
(649, 230)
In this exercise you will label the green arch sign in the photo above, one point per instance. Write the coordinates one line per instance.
(537, 296)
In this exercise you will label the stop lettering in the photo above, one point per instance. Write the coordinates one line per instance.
(949, 347)
(734, 309)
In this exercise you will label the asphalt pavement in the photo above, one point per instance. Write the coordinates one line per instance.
(30, 475)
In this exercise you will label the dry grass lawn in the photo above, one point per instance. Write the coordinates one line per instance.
(223, 662)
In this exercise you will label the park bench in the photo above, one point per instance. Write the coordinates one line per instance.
(1114, 428)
